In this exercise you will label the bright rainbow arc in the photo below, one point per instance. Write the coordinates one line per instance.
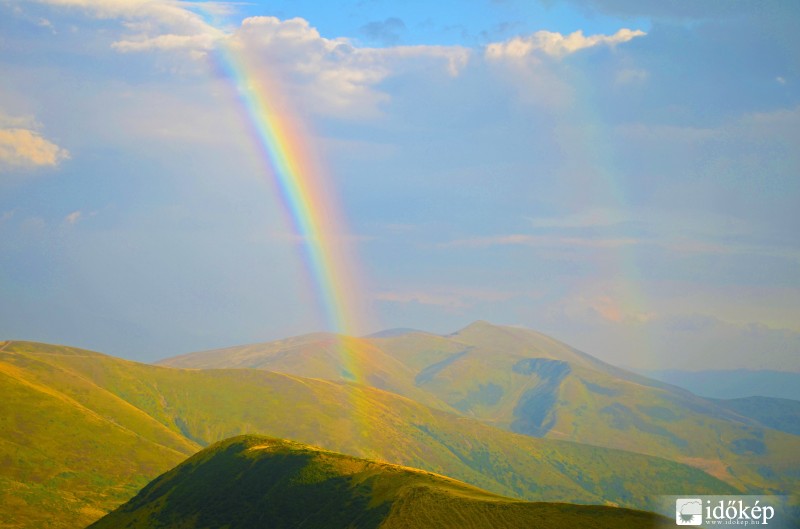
(312, 209)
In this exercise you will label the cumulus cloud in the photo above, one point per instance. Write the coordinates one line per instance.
(25, 148)
(194, 43)
(555, 44)
(331, 76)
(176, 13)
(155, 24)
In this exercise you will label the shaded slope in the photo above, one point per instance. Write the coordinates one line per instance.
(779, 414)
(198, 407)
(255, 481)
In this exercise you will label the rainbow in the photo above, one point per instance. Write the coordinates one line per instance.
(629, 298)
(285, 149)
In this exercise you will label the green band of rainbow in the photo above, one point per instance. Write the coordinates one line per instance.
(278, 135)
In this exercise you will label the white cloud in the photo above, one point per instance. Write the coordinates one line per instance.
(331, 76)
(25, 148)
(328, 75)
(157, 24)
(202, 42)
(555, 44)
(325, 75)
(532, 63)
(176, 13)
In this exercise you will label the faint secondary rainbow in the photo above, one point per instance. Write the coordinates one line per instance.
(286, 150)
(630, 300)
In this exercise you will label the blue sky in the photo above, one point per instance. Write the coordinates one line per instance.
(620, 174)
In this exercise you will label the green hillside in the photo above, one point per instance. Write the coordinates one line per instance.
(319, 355)
(70, 451)
(529, 383)
(255, 481)
(112, 425)
(526, 382)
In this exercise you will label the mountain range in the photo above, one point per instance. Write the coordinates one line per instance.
(507, 410)
(733, 383)
(528, 383)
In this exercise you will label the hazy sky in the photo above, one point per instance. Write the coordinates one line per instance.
(621, 174)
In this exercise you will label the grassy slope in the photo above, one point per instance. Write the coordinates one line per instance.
(527, 382)
(319, 355)
(255, 481)
(481, 372)
(118, 423)
(70, 451)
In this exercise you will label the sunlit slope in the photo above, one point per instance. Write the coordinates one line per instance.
(179, 410)
(319, 355)
(69, 450)
(255, 481)
(529, 383)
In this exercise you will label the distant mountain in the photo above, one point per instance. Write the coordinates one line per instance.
(80, 432)
(318, 355)
(526, 382)
(780, 414)
(391, 333)
(255, 481)
(733, 383)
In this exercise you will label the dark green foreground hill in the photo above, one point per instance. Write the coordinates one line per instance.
(254, 481)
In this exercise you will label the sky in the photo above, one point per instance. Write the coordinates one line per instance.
(623, 175)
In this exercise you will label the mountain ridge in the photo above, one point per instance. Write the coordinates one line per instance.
(527, 382)
(199, 407)
(253, 480)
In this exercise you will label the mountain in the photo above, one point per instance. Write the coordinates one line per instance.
(81, 432)
(780, 414)
(69, 449)
(733, 383)
(529, 383)
(320, 355)
(256, 481)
